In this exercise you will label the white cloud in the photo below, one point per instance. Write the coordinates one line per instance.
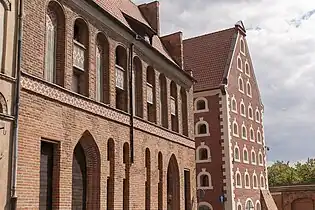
(283, 56)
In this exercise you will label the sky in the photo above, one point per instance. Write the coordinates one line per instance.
(281, 39)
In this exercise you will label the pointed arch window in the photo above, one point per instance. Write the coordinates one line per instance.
(238, 179)
(243, 109)
(234, 105)
(242, 47)
(244, 132)
(249, 205)
(258, 137)
(247, 180)
(255, 181)
(252, 134)
(250, 112)
(262, 181)
(245, 155)
(257, 116)
(247, 69)
(235, 129)
(260, 158)
(239, 63)
(253, 157)
(249, 89)
(240, 84)
(237, 153)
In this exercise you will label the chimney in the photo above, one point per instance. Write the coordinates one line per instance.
(151, 12)
(174, 45)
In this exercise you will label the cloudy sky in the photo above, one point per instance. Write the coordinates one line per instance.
(281, 37)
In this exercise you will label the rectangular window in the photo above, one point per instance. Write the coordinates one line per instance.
(187, 190)
(46, 175)
(120, 77)
(78, 55)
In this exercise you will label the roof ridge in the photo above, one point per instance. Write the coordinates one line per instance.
(208, 34)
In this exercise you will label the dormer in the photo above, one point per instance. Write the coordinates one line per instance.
(151, 12)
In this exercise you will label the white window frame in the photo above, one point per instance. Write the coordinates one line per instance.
(258, 203)
(239, 85)
(259, 137)
(245, 149)
(246, 174)
(233, 130)
(248, 199)
(203, 146)
(235, 108)
(204, 172)
(206, 105)
(257, 111)
(205, 204)
(252, 112)
(247, 73)
(201, 122)
(243, 126)
(242, 43)
(242, 104)
(264, 181)
(251, 156)
(237, 61)
(249, 93)
(262, 158)
(239, 153)
(239, 204)
(251, 131)
(241, 183)
(255, 178)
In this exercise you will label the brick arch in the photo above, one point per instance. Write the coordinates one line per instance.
(303, 203)
(297, 196)
(86, 174)
(173, 184)
(3, 105)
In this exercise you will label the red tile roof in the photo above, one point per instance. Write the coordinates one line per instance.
(208, 56)
(116, 8)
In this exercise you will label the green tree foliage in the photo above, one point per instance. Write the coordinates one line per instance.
(281, 173)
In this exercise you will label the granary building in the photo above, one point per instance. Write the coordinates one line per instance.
(105, 108)
(228, 113)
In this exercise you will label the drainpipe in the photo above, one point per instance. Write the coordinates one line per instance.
(16, 108)
(131, 101)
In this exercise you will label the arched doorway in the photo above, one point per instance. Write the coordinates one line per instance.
(303, 203)
(86, 174)
(173, 185)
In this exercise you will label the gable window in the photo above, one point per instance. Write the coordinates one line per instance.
(249, 89)
(237, 153)
(255, 181)
(258, 137)
(244, 132)
(202, 128)
(239, 63)
(235, 128)
(262, 181)
(250, 112)
(234, 105)
(238, 179)
(201, 105)
(247, 180)
(245, 155)
(242, 47)
(247, 70)
(240, 84)
(258, 205)
(249, 205)
(257, 116)
(242, 108)
(252, 134)
(260, 158)
(253, 157)
(204, 180)
(203, 153)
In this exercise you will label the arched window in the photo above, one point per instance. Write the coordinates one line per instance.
(239, 63)
(260, 158)
(253, 157)
(262, 181)
(247, 70)
(54, 44)
(238, 179)
(258, 205)
(244, 132)
(235, 128)
(249, 89)
(240, 84)
(3, 103)
(2, 21)
(249, 205)
(80, 78)
(203, 153)
(242, 108)
(245, 155)
(237, 153)
(137, 87)
(250, 112)
(239, 206)
(174, 107)
(204, 180)
(102, 69)
(258, 136)
(202, 128)
(163, 101)
(255, 181)
(234, 105)
(183, 96)
(201, 105)
(242, 47)
(121, 79)
(247, 180)
(252, 134)
(151, 108)
(204, 206)
(257, 116)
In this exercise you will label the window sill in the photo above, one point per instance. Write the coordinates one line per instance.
(201, 111)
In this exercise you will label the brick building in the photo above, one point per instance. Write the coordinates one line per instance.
(228, 114)
(105, 109)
